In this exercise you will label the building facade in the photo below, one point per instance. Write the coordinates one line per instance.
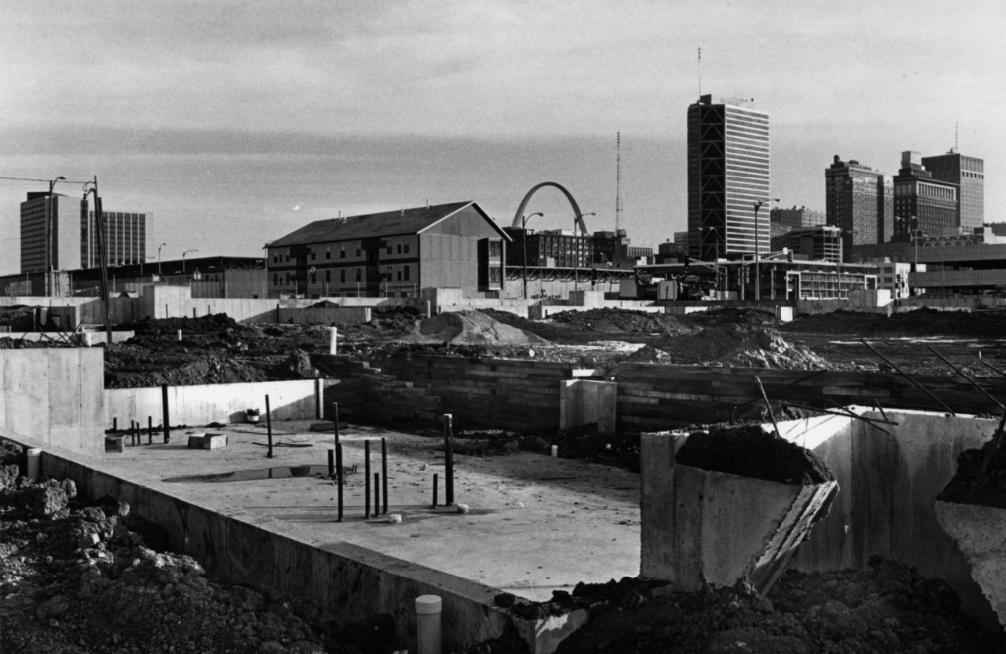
(968, 173)
(923, 205)
(858, 201)
(818, 243)
(728, 174)
(50, 238)
(802, 217)
(126, 234)
(392, 254)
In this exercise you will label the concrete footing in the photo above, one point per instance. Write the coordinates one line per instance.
(584, 401)
(701, 526)
(980, 535)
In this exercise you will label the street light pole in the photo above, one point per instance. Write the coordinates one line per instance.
(576, 249)
(523, 227)
(757, 206)
(48, 238)
(159, 258)
(183, 258)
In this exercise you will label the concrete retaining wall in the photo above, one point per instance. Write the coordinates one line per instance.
(330, 315)
(54, 396)
(298, 399)
(78, 338)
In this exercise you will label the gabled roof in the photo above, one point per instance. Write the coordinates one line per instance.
(387, 223)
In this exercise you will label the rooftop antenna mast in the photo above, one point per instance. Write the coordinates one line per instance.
(956, 145)
(618, 182)
(700, 72)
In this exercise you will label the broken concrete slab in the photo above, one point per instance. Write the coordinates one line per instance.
(207, 441)
(980, 535)
(701, 526)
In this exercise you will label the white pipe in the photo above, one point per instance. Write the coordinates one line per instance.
(34, 463)
(333, 347)
(428, 634)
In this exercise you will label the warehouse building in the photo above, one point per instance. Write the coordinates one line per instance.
(391, 254)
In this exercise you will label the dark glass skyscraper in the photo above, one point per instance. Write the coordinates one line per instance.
(728, 173)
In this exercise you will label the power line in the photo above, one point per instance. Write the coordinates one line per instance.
(30, 179)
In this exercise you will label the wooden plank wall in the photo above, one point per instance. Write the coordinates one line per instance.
(654, 396)
(489, 393)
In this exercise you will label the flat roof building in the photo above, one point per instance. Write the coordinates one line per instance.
(858, 201)
(802, 217)
(923, 205)
(728, 174)
(969, 175)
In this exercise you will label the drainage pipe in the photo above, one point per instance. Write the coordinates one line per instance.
(428, 626)
(34, 463)
(448, 460)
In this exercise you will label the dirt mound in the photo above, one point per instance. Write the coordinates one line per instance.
(471, 328)
(888, 608)
(752, 452)
(733, 316)
(90, 578)
(970, 485)
(733, 345)
(615, 321)
(202, 325)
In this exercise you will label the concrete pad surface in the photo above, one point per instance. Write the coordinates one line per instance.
(534, 523)
(980, 533)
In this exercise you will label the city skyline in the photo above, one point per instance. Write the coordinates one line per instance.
(235, 125)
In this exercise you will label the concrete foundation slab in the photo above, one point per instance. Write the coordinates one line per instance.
(980, 535)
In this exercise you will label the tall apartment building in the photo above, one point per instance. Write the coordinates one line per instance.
(50, 233)
(859, 201)
(802, 217)
(922, 203)
(969, 175)
(125, 238)
(728, 174)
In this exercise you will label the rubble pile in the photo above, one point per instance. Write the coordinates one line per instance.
(76, 578)
(736, 345)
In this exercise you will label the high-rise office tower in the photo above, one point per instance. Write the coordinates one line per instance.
(969, 175)
(50, 232)
(728, 174)
(125, 238)
(923, 205)
(859, 201)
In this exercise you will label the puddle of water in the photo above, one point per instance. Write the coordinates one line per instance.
(281, 472)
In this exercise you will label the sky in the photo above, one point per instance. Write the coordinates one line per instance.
(235, 123)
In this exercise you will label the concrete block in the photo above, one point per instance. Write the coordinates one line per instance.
(582, 402)
(701, 526)
(980, 535)
(207, 441)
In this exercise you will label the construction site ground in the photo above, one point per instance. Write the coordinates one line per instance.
(215, 349)
(534, 523)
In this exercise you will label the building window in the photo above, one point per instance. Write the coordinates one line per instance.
(275, 279)
(359, 275)
(328, 252)
(342, 276)
(359, 253)
(328, 275)
(406, 269)
(399, 275)
(495, 249)
(342, 251)
(312, 255)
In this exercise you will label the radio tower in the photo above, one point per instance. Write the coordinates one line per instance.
(618, 182)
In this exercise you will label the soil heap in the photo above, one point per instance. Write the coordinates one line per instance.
(888, 608)
(750, 451)
(736, 345)
(469, 328)
(78, 577)
(980, 478)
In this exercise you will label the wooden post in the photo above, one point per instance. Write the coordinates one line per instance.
(268, 424)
